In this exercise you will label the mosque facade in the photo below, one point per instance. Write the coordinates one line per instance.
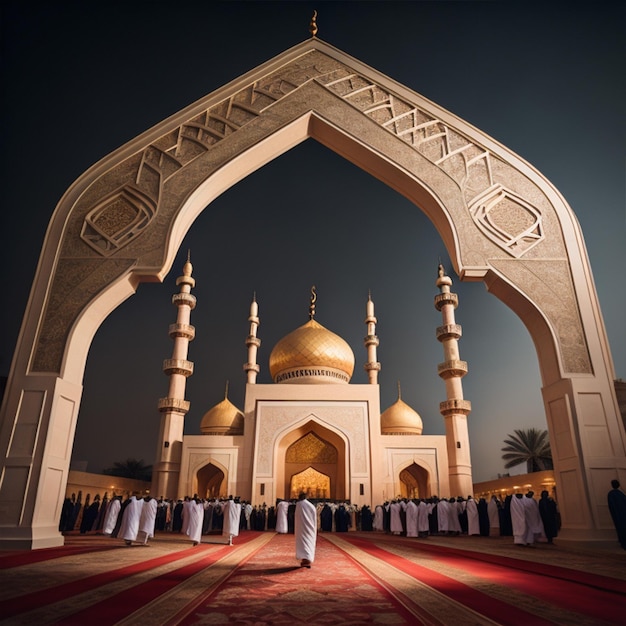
(311, 430)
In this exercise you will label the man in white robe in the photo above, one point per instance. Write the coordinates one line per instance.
(379, 524)
(147, 521)
(473, 524)
(232, 518)
(521, 534)
(281, 517)
(111, 514)
(443, 516)
(533, 519)
(423, 511)
(411, 519)
(130, 519)
(397, 506)
(494, 517)
(305, 528)
(194, 512)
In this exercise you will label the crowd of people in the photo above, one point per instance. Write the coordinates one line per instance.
(136, 519)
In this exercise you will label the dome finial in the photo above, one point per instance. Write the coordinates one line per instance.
(312, 304)
(313, 24)
(226, 390)
(399, 392)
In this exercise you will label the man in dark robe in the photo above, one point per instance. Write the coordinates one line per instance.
(483, 517)
(506, 524)
(617, 506)
(549, 516)
(291, 516)
(342, 519)
(367, 519)
(326, 518)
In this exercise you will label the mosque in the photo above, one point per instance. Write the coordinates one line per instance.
(311, 430)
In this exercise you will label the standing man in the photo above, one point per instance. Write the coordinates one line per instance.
(617, 507)
(305, 528)
(232, 517)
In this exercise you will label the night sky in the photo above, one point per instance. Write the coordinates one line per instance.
(546, 79)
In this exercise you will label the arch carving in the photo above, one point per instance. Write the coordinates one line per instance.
(122, 222)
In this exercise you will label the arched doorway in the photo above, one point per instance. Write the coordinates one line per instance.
(312, 458)
(414, 482)
(311, 467)
(211, 482)
(122, 222)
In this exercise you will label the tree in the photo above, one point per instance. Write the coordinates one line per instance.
(530, 446)
(131, 468)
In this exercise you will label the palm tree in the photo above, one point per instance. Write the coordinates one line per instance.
(131, 468)
(530, 446)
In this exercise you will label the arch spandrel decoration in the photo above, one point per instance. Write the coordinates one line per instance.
(124, 217)
(122, 222)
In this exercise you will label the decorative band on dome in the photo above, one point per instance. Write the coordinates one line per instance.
(300, 373)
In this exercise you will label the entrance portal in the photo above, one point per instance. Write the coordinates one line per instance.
(122, 223)
(311, 467)
(211, 482)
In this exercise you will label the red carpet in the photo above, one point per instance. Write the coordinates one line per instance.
(357, 578)
(588, 594)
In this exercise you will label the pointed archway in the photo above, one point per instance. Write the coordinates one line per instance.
(311, 458)
(414, 482)
(211, 482)
(122, 222)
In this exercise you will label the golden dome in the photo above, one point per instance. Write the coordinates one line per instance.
(400, 419)
(223, 419)
(311, 354)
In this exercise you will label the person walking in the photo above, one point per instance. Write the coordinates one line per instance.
(305, 529)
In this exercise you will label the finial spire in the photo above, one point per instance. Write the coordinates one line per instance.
(312, 304)
(313, 24)
(226, 391)
(399, 392)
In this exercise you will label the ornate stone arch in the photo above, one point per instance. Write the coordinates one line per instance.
(122, 221)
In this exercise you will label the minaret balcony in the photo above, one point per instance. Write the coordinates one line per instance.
(182, 330)
(449, 331)
(173, 404)
(374, 366)
(455, 407)
(452, 369)
(371, 340)
(251, 340)
(178, 366)
(181, 299)
(251, 367)
(441, 299)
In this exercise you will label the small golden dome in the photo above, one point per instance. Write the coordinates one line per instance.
(400, 419)
(223, 419)
(311, 354)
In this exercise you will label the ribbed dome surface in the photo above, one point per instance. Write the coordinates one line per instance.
(311, 354)
(400, 419)
(223, 419)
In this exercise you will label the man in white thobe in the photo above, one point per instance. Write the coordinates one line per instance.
(411, 519)
(305, 528)
(473, 525)
(232, 518)
(147, 520)
(533, 519)
(281, 517)
(494, 517)
(110, 517)
(130, 519)
(194, 512)
(521, 534)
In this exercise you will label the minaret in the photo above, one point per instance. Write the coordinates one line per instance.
(455, 409)
(173, 409)
(372, 367)
(253, 342)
